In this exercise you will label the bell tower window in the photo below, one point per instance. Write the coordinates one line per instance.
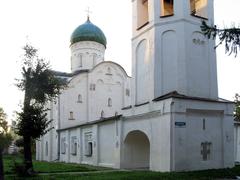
(142, 13)
(167, 8)
(199, 8)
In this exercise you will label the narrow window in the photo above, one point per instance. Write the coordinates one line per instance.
(88, 144)
(109, 71)
(74, 145)
(142, 13)
(102, 114)
(199, 8)
(167, 8)
(71, 116)
(46, 149)
(80, 59)
(109, 102)
(92, 87)
(79, 98)
(204, 124)
(94, 59)
(206, 148)
(127, 92)
(63, 145)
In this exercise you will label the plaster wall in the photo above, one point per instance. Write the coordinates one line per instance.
(86, 55)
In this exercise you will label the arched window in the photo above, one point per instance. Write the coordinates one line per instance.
(102, 114)
(80, 57)
(199, 8)
(167, 8)
(109, 71)
(142, 13)
(79, 98)
(94, 59)
(46, 149)
(109, 102)
(71, 116)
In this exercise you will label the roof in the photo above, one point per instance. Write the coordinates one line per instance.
(88, 32)
(175, 94)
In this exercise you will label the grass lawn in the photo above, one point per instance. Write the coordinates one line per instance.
(45, 167)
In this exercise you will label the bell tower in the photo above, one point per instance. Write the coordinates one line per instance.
(169, 51)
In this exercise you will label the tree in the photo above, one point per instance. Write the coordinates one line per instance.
(229, 36)
(237, 108)
(40, 86)
(5, 139)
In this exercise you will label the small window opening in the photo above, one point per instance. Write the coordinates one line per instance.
(206, 148)
(46, 149)
(109, 71)
(71, 116)
(79, 98)
(142, 13)
(199, 8)
(204, 124)
(167, 8)
(80, 59)
(92, 87)
(127, 92)
(109, 102)
(102, 114)
(88, 144)
(63, 145)
(94, 59)
(74, 145)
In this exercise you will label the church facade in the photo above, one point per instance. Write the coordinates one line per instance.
(166, 117)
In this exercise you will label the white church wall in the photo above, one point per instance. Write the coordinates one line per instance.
(237, 142)
(197, 127)
(87, 138)
(107, 97)
(107, 144)
(73, 145)
(86, 54)
(70, 102)
(154, 123)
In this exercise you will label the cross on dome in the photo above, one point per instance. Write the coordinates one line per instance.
(88, 12)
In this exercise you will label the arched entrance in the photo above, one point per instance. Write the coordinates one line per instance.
(136, 150)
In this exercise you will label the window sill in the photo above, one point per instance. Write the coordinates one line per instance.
(142, 104)
(145, 24)
(71, 119)
(166, 16)
(200, 17)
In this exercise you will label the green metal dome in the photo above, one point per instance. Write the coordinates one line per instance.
(88, 32)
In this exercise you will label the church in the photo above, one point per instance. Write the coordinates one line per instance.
(166, 117)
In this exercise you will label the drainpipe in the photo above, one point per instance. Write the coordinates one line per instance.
(172, 143)
(58, 133)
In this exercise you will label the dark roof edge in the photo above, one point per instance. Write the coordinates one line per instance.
(65, 74)
(175, 94)
(91, 123)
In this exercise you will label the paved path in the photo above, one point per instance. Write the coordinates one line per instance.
(76, 173)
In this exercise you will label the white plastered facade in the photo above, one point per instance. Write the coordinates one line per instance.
(167, 117)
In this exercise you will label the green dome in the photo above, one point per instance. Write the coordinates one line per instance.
(88, 32)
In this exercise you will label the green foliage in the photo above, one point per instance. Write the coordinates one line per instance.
(229, 36)
(237, 108)
(19, 142)
(40, 86)
(5, 136)
(33, 121)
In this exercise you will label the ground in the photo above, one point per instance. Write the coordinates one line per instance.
(51, 171)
